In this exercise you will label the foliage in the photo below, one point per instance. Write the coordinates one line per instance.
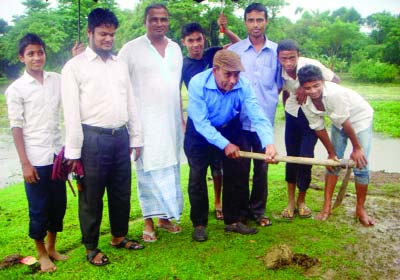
(386, 32)
(347, 15)
(333, 36)
(386, 117)
(372, 71)
(336, 64)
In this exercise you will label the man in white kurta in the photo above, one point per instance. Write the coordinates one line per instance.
(155, 64)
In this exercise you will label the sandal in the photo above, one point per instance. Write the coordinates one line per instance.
(304, 212)
(149, 236)
(134, 245)
(288, 214)
(263, 221)
(170, 227)
(218, 214)
(92, 255)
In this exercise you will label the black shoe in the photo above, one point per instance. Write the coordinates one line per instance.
(200, 234)
(240, 228)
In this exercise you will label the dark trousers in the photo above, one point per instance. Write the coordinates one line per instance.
(200, 154)
(47, 201)
(258, 198)
(106, 162)
(300, 141)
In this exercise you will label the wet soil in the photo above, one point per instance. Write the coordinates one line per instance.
(378, 247)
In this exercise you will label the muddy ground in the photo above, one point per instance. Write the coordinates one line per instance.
(379, 246)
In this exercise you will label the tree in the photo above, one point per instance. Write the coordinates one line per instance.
(386, 32)
(4, 27)
(347, 15)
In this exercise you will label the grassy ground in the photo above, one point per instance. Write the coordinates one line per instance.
(223, 256)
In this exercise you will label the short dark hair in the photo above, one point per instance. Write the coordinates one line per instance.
(288, 45)
(255, 7)
(309, 73)
(30, 39)
(100, 16)
(190, 28)
(154, 6)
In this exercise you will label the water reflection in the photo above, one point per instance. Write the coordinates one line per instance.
(382, 155)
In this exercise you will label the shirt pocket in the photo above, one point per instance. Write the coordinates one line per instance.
(268, 77)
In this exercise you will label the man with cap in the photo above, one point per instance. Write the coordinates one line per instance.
(216, 96)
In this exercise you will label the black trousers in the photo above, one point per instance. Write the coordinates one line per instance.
(47, 200)
(259, 191)
(200, 154)
(106, 162)
(300, 141)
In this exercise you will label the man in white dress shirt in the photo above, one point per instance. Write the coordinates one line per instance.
(102, 128)
(155, 64)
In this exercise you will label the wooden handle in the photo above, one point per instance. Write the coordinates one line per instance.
(300, 160)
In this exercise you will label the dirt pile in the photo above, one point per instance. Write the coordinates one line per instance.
(10, 261)
(281, 255)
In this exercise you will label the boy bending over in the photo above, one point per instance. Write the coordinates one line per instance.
(351, 118)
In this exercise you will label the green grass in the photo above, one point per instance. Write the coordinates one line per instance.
(223, 256)
(384, 99)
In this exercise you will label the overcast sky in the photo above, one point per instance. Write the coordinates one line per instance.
(8, 8)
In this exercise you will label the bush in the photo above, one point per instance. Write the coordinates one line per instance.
(372, 71)
(336, 64)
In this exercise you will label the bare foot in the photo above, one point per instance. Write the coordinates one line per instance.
(46, 265)
(364, 219)
(56, 256)
(322, 216)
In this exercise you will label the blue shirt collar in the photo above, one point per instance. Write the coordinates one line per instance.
(247, 44)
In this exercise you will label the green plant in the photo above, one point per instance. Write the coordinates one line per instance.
(373, 71)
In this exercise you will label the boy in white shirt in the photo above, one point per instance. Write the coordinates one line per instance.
(33, 103)
(351, 118)
(300, 139)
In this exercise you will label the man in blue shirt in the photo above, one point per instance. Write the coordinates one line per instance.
(259, 57)
(216, 97)
(198, 60)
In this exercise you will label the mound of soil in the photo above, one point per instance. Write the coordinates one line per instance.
(281, 255)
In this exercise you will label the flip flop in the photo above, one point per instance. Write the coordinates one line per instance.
(135, 245)
(263, 221)
(288, 214)
(304, 212)
(170, 227)
(149, 236)
(91, 256)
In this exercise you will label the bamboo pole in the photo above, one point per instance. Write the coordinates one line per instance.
(300, 160)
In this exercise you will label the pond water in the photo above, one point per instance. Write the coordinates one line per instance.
(384, 154)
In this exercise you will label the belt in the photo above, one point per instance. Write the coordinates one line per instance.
(101, 130)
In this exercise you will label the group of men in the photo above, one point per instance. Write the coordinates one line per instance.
(119, 108)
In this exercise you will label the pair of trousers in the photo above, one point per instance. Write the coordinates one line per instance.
(47, 201)
(256, 201)
(300, 141)
(107, 166)
(200, 154)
